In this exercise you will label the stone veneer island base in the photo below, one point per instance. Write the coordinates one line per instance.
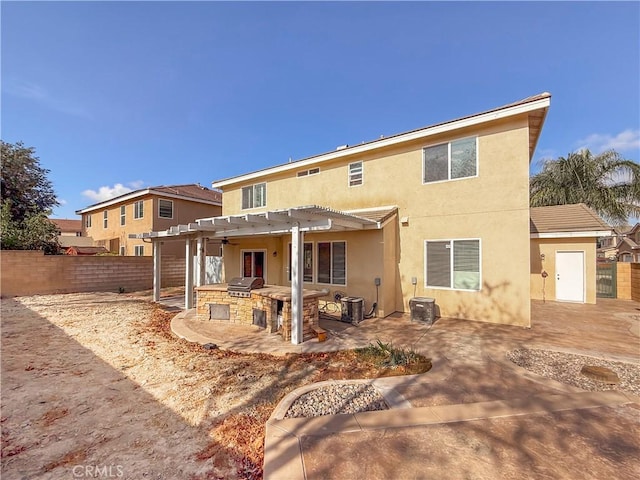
(268, 307)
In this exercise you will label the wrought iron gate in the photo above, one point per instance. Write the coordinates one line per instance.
(606, 280)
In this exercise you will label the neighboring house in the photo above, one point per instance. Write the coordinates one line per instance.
(624, 246)
(628, 248)
(563, 252)
(68, 227)
(111, 222)
(440, 212)
(77, 250)
(71, 233)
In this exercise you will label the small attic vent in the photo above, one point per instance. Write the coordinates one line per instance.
(342, 147)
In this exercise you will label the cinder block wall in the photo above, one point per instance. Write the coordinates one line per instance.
(623, 280)
(635, 282)
(32, 273)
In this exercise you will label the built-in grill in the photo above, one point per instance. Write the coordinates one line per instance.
(242, 286)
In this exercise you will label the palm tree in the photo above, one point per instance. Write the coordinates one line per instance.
(606, 182)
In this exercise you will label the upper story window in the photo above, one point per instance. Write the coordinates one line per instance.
(105, 219)
(450, 161)
(138, 250)
(355, 174)
(138, 209)
(306, 173)
(453, 264)
(123, 215)
(254, 196)
(87, 220)
(78, 234)
(165, 208)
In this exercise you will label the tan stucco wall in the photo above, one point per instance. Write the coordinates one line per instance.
(547, 289)
(492, 207)
(183, 212)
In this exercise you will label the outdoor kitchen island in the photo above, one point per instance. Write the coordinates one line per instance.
(268, 307)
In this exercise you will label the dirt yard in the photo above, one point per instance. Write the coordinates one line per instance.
(96, 386)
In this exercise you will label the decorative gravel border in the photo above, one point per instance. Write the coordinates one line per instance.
(565, 368)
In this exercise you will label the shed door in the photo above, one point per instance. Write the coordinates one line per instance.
(570, 276)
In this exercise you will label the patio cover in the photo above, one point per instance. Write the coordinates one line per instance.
(295, 220)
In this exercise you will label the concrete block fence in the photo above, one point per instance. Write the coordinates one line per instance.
(25, 272)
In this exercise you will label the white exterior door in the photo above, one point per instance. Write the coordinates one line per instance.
(570, 276)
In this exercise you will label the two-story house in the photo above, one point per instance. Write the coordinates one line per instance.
(440, 212)
(628, 247)
(110, 223)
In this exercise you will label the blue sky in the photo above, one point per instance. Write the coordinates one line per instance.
(116, 96)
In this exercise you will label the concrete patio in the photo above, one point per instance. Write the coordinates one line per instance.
(475, 414)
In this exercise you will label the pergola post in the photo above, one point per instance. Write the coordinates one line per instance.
(157, 269)
(188, 274)
(202, 261)
(297, 315)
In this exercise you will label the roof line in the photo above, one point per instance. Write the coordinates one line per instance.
(146, 191)
(536, 102)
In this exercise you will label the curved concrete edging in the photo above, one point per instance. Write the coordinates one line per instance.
(386, 386)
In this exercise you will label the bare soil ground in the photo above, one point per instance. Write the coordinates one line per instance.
(95, 385)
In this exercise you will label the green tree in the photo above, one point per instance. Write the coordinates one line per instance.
(606, 182)
(26, 201)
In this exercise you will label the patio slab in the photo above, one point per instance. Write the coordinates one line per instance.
(475, 414)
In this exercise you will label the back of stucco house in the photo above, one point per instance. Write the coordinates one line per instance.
(451, 203)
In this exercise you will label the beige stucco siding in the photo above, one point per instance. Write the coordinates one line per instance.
(117, 235)
(493, 207)
(546, 288)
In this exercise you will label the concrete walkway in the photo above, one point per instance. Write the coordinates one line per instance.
(474, 415)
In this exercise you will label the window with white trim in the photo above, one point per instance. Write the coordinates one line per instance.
(122, 250)
(332, 263)
(307, 262)
(165, 208)
(450, 161)
(87, 221)
(453, 264)
(138, 250)
(105, 219)
(123, 215)
(138, 209)
(355, 174)
(254, 196)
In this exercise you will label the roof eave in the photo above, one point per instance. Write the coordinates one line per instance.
(511, 110)
(577, 234)
(141, 193)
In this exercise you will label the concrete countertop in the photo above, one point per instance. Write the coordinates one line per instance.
(277, 292)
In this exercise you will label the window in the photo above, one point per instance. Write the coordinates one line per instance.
(105, 219)
(123, 215)
(311, 171)
(307, 262)
(449, 161)
(254, 196)
(78, 234)
(453, 264)
(138, 250)
(355, 174)
(87, 221)
(122, 250)
(138, 209)
(332, 263)
(165, 208)
(253, 263)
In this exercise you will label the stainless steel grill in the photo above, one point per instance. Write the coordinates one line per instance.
(242, 286)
